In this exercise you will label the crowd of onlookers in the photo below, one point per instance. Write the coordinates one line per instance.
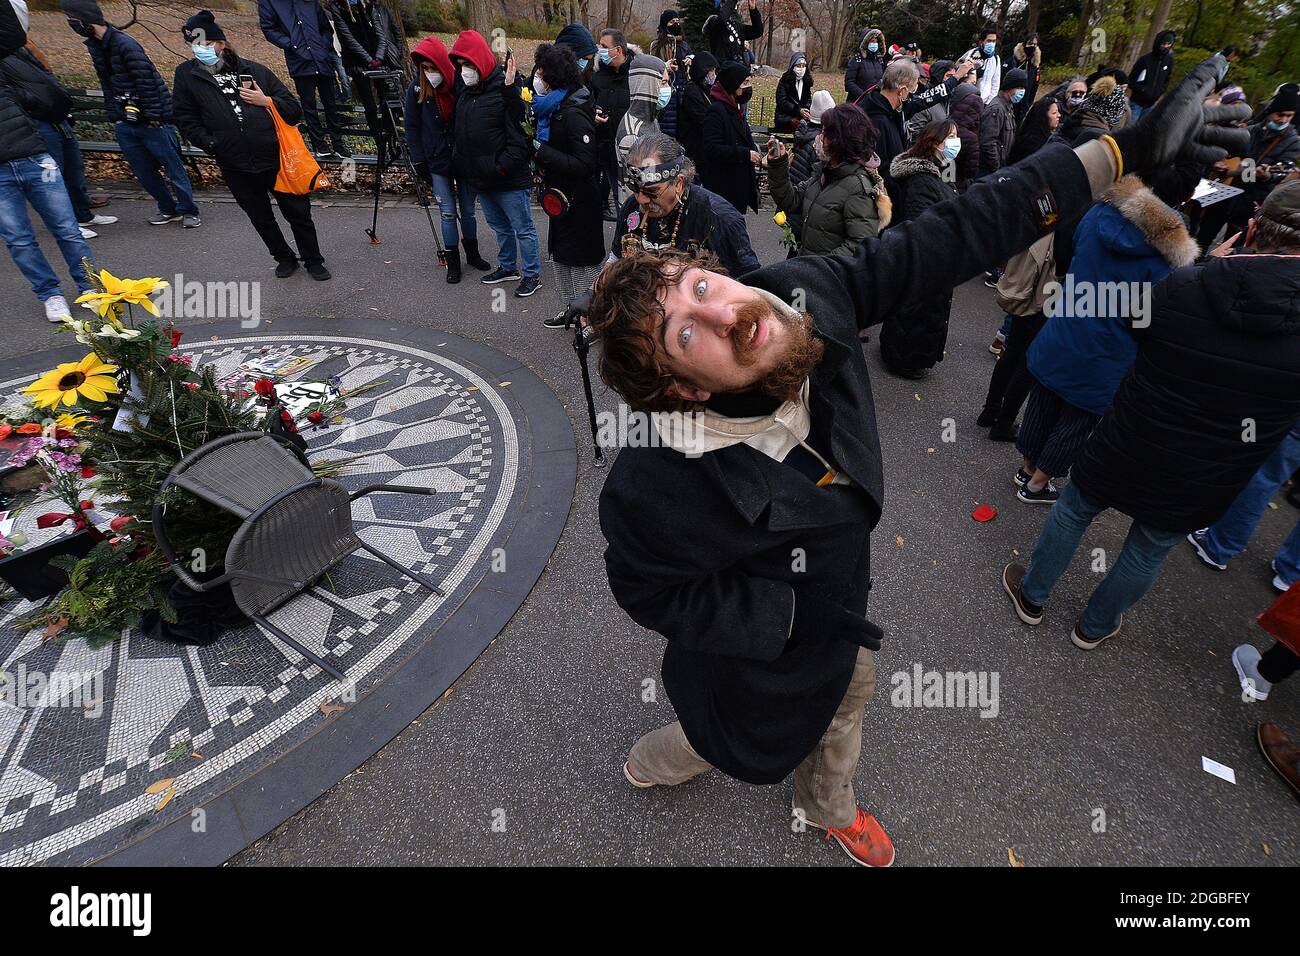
(659, 142)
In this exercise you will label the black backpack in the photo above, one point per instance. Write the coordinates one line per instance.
(41, 96)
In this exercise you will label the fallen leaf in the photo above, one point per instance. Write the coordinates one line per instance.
(196, 755)
(472, 388)
(327, 708)
(503, 384)
(167, 798)
(899, 541)
(158, 786)
(1267, 851)
(1013, 859)
(54, 628)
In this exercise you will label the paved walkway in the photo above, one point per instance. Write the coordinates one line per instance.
(519, 762)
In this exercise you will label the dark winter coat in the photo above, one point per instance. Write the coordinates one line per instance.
(1270, 147)
(694, 106)
(837, 207)
(672, 48)
(864, 70)
(429, 136)
(389, 40)
(1021, 59)
(19, 138)
(126, 74)
(997, 134)
(612, 95)
(1213, 391)
(490, 150)
(914, 337)
(789, 101)
(726, 167)
(805, 153)
(205, 118)
(1130, 237)
(1150, 74)
(1034, 131)
(891, 130)
(38, 91)
(966, 111)
(568, 162)
(301, 28)
(755, 664)
(712, 224)
(726, 35)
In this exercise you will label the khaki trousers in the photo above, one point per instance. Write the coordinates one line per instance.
(823, 783)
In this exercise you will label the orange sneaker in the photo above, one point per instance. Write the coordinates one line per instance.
(865, 840)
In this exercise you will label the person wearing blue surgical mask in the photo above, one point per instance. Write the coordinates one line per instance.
(989, 65)
(913, 337)
(998, 123)
(609, 87)
(866, 67)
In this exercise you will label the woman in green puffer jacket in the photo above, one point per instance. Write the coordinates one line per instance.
(844, 200)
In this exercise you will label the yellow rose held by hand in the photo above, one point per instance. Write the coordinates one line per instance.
(526, 94)
(779, 219)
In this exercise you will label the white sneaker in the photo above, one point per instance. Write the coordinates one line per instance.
(88, 233)
(1245, 658)
(1279, 584)
(56, 309)
(98, 220)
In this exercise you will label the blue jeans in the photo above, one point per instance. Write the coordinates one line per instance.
(1229, 536)
(1136, 110)
(1130, 577)
(62, 144)
(149, 148)
(36, 179)
(511, 218)
(450, 195)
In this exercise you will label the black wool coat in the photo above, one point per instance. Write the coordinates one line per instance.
(891, 132)
(725, 167)
(703, 550)
(204, 116)
(1222, 347)
(569, 163)
(789, 101)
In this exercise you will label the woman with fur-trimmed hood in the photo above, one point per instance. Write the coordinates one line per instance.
(867, 66)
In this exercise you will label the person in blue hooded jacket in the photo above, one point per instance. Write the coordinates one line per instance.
(1125, 243)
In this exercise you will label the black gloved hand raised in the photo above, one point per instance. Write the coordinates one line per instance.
(1176, 128)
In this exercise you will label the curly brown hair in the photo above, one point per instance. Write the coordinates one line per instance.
(626, 313)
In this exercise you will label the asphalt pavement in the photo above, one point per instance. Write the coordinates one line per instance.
(1084, 758)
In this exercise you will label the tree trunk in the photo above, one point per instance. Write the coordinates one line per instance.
(1081, 33)
(614, 14)
(479, 16)
(1002, 16)
(1157, 22)
(1031, 22)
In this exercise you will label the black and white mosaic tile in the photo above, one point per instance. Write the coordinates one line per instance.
(76, 767)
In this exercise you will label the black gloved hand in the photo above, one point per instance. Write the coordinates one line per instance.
(819, 619)
(578, 310)
(422, 170)
(1176, 129)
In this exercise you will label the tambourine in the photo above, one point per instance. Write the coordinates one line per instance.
(555, 203)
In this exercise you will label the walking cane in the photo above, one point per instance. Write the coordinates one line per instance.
(582, 345)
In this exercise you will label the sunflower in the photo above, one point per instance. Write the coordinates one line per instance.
(70, 421)
(131, 291)
(90, 378)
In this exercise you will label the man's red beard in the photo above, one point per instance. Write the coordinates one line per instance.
(801, 352)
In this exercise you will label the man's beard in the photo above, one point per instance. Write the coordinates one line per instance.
(802, 351)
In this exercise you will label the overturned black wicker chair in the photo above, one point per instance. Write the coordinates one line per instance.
(295, 527)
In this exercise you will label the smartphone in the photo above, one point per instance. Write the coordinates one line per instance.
(246, 80)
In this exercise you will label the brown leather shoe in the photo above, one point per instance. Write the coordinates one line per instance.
(1283, 755)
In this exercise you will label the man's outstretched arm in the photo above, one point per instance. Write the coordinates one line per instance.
(1003, 214)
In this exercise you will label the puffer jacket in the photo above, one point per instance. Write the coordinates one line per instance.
(431, 126)
(838, 207)
(126, 74)
(38, 91)
(865, 69)
(694, 105)
(997, 134)
(1213, 391)
(247, 143)
(302, 29)
(18, 136)
(967, 109)
(490, 150)
(672, 48)
(913, 338)
(1128, 237)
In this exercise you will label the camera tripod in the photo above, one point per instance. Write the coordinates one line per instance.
(391, 149)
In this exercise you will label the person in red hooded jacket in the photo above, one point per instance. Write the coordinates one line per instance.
(492, 153)
(430, 112)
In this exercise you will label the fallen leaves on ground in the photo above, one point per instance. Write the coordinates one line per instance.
(158, 786)
(1013, 859)
(327, 708)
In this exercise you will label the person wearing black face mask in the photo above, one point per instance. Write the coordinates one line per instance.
(695, 100)
(729, 151)
(670, 45)
(1028, 57)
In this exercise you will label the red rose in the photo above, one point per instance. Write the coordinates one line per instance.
(315, 417)
(85, 505)
(5, 431)
(87, 471)
(176, 337)
(62, 433)
(121, 521)
(192, 386)
(264, 387)
(287, 419)
(30, 428)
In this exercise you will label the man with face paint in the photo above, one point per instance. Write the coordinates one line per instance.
(668, 210)
(140, 105)
(742, 535)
